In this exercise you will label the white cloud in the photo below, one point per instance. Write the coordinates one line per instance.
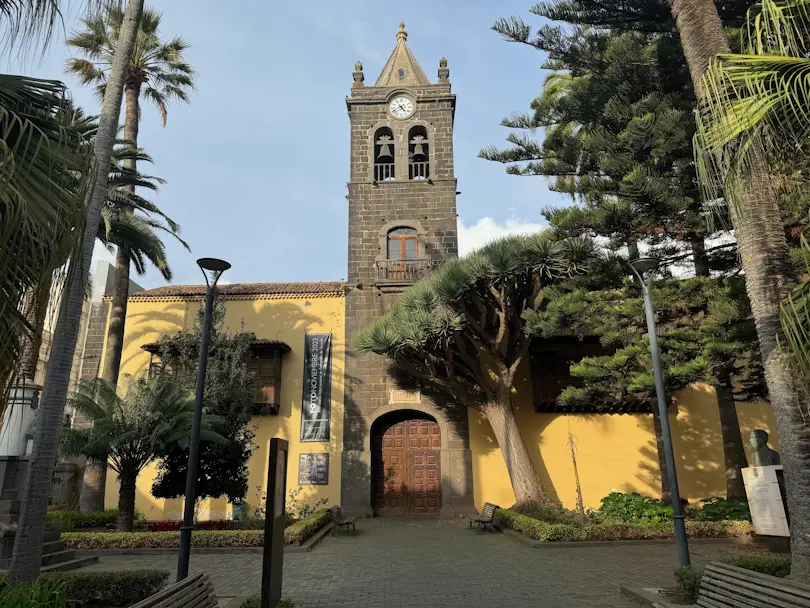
(487, 229)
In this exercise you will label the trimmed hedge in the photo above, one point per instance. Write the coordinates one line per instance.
(113, 589)
(71, 520)
(297, 533)
(546, 532)
(303, 529)
(173, 525)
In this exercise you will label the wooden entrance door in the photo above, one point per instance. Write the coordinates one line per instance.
(406, 468)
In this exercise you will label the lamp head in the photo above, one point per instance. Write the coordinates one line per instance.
(642, 265)
(213, 268)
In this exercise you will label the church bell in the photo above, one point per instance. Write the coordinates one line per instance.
(385, 148)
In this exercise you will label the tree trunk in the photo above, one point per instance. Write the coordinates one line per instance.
(522, 473)
(27, 554)
(699, 258)
(733, 450)
(118, 314)
(94, 483)
(126, 501)
(764, 252)
(666, 493)
(36, 310)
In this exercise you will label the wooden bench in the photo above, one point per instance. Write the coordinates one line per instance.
(341, 521)
(725, 586)
(192, 592)
(485, 520)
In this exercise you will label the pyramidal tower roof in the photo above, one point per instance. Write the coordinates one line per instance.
(402, 68)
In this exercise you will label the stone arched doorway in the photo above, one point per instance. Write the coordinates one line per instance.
(406, 476)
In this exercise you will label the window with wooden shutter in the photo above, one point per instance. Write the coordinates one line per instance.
(266, 370)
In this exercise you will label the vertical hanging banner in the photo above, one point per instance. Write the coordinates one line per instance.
(316, 402)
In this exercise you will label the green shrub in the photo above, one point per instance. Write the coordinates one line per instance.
(72, 520)
(297, 533)
(302, 530)
(720, 509)
(246, 523)
(556, 514)
(162, 540)
(688, 580)
(39, 595)
(112, 589)
(634, 508)
(613, 531)
(774, 565)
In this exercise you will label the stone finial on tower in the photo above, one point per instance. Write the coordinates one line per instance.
(358, 75)
(444, 71)
(402, 34)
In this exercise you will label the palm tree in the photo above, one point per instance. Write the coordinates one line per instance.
(45, 173)
(131, 431)
(157, 71)
(131, 220)
(749, 102)
(27, 554)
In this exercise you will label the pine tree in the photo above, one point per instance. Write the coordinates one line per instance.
(618, 128)
(705, 334)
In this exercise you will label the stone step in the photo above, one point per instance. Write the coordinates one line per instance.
(48, 559)
(58, 557)
(54, 546)
(73, 564)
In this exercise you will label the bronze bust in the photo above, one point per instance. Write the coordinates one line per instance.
(763, 455)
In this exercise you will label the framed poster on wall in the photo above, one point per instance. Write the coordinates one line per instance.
(313, 469)
(316, 401)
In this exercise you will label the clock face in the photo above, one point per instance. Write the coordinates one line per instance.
(400, 107)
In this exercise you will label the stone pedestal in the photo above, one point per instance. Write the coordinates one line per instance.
(18, 418)
(765, 500)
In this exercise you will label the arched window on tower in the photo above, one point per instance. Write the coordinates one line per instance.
(403, 252)
(384, 155)
(418, 153)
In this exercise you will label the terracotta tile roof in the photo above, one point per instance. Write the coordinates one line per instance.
(326, 288)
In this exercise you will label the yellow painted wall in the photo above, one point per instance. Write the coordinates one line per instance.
(287, 319)
(614, 452)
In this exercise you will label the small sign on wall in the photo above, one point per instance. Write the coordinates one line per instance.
(313, 469)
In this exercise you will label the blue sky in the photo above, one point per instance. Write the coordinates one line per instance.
(256, 165)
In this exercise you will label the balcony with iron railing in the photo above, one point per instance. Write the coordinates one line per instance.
(404, 271)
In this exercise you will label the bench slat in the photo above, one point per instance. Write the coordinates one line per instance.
(729, 598)
(726, 586)
(154, 600)
(193, 592)
(746, 589)
(780, 584)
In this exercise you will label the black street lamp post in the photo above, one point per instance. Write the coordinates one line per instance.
(639, 266)
(212, 269)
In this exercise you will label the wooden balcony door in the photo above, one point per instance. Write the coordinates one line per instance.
(403, 247)
(406, 468)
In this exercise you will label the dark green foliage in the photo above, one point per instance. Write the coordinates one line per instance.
(39, 595)
(615, 531)
(102, 519)
(109, 589)
(773, 565)
(303, 529)
(688, 581)
(704, 330)
(633, 507)
(222, 469)
(553, 514)
(719, 509)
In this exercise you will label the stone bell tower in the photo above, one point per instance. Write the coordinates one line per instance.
(402, 225)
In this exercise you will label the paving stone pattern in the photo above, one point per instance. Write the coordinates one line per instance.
(397, 563)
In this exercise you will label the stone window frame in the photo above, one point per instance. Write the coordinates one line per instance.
(421, 233)
(401, 129)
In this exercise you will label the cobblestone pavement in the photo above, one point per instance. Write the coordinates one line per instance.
(397, 563)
